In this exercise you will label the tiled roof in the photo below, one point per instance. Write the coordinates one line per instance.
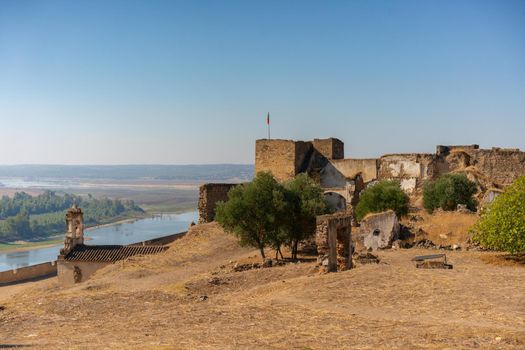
(110, 253)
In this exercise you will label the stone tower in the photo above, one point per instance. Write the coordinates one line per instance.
(75, 229)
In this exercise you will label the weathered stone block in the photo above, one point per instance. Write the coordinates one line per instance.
(379, 230)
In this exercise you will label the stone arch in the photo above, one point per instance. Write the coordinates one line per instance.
(335, 200)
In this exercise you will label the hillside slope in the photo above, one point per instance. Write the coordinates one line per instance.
(189, 298)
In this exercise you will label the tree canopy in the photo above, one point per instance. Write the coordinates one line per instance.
(266, 213)
(448, 191)
(382, 196)
(24, 216)
(306, 202)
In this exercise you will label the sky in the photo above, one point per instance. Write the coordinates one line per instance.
(191, 82)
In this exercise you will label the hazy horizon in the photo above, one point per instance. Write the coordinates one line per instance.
(126, 83)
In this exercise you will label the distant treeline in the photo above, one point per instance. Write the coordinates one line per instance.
(27, 217)
(207, 172)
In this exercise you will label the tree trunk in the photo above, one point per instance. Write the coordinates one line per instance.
(281, 253)
(261, 249)
(294, 249)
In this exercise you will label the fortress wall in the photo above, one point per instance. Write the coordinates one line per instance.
(283, 158)
(501, 166)
(410, 169)
(331, 177)
(330, 148)
(303, 153)
(350, 168)
(28, 272)
(209, 195)
(442, 150)
(322, 160)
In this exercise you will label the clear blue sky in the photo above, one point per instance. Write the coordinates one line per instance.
(175, 82)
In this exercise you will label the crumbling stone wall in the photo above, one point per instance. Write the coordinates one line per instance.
(410, 169)
(350, 168)
(209, 195)
(322, 159)
(333, 237)
(501, 166)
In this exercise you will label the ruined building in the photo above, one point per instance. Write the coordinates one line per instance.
(344, 178)
(78, 261)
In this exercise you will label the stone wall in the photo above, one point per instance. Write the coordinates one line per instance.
(333, 237)
(322, 159)
(283, 158)
(350, 168)
(28, 273)
(209, 195)
(71, 272)
(330, 148)
(287, 158)
(410, 169)
(501, 166)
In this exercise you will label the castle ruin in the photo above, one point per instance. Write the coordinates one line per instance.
(344, 178)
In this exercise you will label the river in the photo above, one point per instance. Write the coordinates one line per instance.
(124, 233)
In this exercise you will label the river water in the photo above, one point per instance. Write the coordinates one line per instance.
(125, 233)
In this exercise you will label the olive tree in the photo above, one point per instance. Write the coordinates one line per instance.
(306, 201)
(254, 212)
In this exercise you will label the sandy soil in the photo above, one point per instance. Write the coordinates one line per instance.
(157, 302)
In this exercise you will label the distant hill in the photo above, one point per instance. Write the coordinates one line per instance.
(207, 172)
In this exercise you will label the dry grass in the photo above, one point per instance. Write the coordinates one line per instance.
(444, 227)
(154, 303)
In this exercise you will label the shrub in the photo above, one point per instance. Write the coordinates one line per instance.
(448, 191)
(502, 223)
(380, 197)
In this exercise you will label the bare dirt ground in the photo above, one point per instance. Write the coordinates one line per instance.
(157, 302)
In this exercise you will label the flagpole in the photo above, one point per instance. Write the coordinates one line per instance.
(268, 123)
